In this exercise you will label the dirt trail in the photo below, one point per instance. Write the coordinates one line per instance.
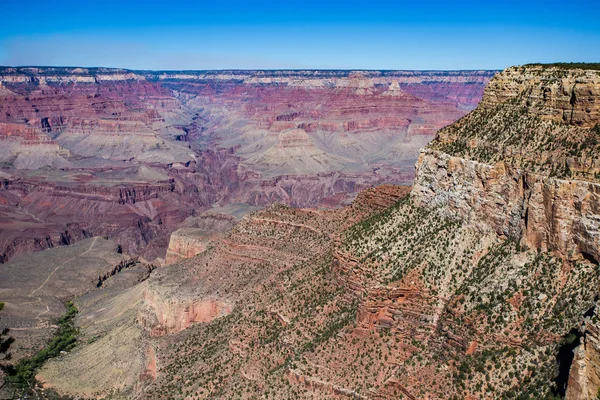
(62, 265)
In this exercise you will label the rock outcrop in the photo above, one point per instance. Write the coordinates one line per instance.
(185, 243)
(195, 234)
(584, 376)
(546, 213)
(558, 94)
(175, 316)
(538, 186)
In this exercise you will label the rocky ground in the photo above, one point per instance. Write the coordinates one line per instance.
(476, 283)
(131, 154)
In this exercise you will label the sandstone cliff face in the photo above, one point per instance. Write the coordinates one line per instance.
(553, 93)
(540, 119)
(196, 233)
(520, 182)
(172, 316)
(185, 243)
(524, 166)
(584, 377)
(547, 213)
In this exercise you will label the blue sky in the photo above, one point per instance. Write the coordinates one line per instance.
(181, 34)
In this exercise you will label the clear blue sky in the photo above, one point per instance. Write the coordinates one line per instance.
(416, 34)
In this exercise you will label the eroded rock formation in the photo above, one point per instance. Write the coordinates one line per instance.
(584, 376)
(131, 155)
(547, 213)
(466, 288)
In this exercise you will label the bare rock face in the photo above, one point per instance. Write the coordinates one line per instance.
(185, 243)
(172, 316)
(548, 213)
(394, 90)
(553, 93)
(408, 311)
(556, 135)
(584, 377)
(528, 193)
(193, 237)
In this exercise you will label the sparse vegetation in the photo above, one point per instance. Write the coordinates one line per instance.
(522, 132)
(569, 66)
(5, 342)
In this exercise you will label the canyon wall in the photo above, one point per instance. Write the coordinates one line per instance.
(131, 154)
(557, 94)
(524, 166)
(544, 213)
(546, 192)
(584, 377)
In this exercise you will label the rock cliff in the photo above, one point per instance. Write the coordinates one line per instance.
(528, 192)
(553, 93)
(524, 166)
(542, 212)
(584, 376)
(195, 234)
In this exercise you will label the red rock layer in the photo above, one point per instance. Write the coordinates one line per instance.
(131, 154)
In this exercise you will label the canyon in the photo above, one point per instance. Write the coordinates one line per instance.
(479, 281)
(131, 155)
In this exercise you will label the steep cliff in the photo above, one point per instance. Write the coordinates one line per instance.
(541, 119)
(524, 166)
(525, 161)
(584, 374)
(195, 234)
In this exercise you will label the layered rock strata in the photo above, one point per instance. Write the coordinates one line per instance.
(584, 374)
(546, 213)
(154, 148)
(538, 187)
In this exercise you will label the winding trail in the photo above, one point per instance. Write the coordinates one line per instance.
(62, 265)
(42, 313)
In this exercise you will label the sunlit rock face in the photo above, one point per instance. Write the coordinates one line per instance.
(524, 166)
(469, 285)
(540, 183)
(130, 155)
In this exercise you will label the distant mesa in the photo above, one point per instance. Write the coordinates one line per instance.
(357, 83)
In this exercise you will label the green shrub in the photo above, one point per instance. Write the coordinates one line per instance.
(65, 338)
